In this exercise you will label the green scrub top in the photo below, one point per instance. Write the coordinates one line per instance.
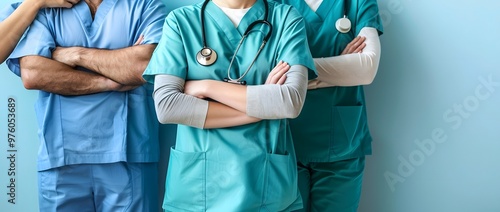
(333, 124)
(245, 168)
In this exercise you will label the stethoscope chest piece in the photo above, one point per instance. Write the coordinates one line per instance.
(343, 25)
(206, 56)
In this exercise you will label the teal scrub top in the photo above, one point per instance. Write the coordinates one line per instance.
(333, 123)
(105, 127)
(244, 168)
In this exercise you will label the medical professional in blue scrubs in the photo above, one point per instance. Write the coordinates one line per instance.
(15, 18)
(97, 125)
(234, 150)
(331, 134)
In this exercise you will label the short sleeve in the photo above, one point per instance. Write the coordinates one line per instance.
(294, 48)
(37, 41)
(152, 18)
(368, 16)
(169, 56)
(7, 11)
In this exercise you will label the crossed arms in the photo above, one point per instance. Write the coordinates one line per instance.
(112, 70)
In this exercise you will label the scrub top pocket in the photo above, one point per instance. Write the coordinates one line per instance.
(280, 183)
(346, 123)
(187, 170)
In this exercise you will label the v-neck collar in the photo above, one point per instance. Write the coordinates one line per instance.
(321, 13)
(90, 24)
(234, 34)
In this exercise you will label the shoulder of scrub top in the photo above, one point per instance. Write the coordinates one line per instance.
(367, 15)
(291, 19)
(31, 42)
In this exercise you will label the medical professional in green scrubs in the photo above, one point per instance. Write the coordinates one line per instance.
(234, 150)
(21, 16)
(331, 134)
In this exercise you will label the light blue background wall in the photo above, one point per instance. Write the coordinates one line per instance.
(435, 56)
(428, 155)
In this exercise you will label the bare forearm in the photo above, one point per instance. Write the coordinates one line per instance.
(221, 116)
(269, 101)
(232, 95)
(124, 66)
(174, 106)
(48, 75)
(14, 26)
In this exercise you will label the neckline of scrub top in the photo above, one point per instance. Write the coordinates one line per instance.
(320, 14)
(225, 24)
(82, 10)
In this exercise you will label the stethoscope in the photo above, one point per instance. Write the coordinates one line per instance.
(343, 25)
(207, 56)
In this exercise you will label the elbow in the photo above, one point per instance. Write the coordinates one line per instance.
(29, 78)
(368, 79)
(293, 110)
(31, 75)
(136, 78)
(369, 73)
(162, 118)
(161, 114)
(293, 114)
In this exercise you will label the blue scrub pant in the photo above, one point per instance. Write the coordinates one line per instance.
(100, 187)
(331, 186)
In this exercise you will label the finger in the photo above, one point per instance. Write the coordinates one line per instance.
(348, 48)
(360, 41)
(72, 2)
(67, 5)
(355, 44)
(139, 41)
(282, 80)
(282, 72)
(350, 44)
(360, 48)
(273, 72)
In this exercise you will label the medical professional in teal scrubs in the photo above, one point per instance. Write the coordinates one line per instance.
(331, 134)
(234, 150)
(98, 148)
(20, 16)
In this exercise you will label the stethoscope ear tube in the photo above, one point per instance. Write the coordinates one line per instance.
(265, 22)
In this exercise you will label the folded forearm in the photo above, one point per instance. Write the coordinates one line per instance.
(124, 66)
(41, 73)
(350, 69)
(173, 106)
(272, 101)
(221, 116)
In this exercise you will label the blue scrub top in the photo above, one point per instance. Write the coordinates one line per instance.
(105, 127)
(8, 10)
(244, 168)
(333, 124)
